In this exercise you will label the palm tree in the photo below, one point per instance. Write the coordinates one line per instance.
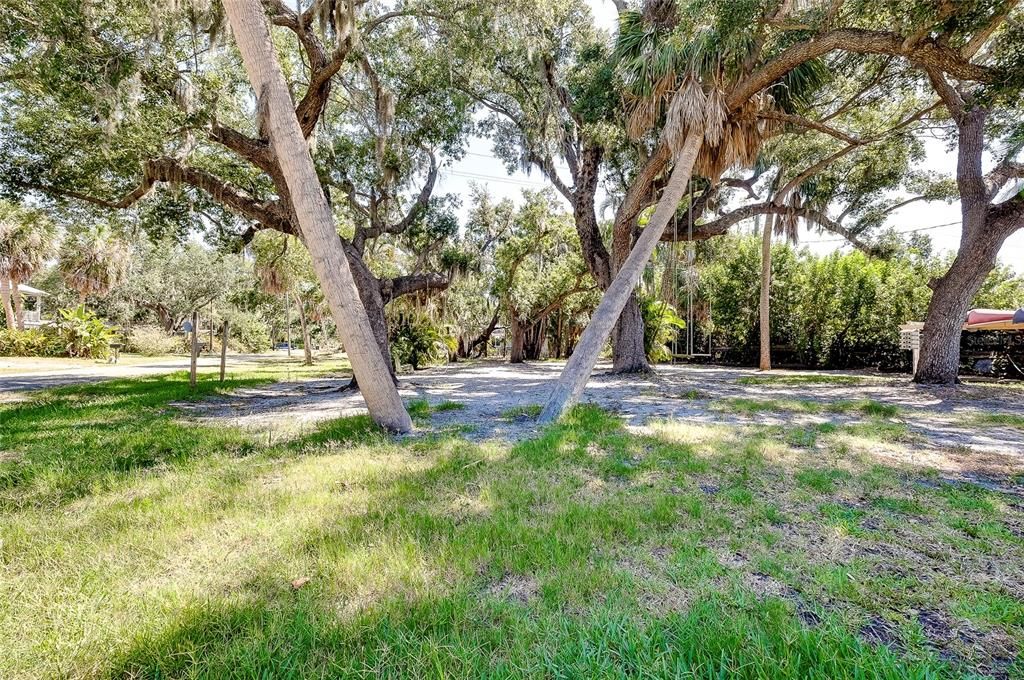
(249, 24)
(26, 236)
(94, 261)
(681, 86)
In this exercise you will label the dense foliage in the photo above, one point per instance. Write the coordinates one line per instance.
(829, 311)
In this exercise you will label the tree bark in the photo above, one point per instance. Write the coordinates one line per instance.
(517, 352)
(252, 34)
(985, 228)
(5, 293)
(577, 371)
(628, 353)
(766, 287)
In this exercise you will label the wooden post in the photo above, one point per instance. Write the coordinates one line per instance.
(195, 349)
(210, 346)
(224, 350)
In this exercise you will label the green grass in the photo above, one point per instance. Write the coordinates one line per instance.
(136, 544)
(813, 379)
(527, 412)
(750, 406)
(1002, 419)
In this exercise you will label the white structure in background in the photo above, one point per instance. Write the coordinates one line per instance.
(34, 316)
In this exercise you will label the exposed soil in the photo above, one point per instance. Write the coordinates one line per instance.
(940, 418)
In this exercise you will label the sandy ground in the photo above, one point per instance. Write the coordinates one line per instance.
(939, 417)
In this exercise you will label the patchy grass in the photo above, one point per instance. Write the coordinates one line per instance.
(420, 410)
(813, 379)
(527, 412)
(590, 551)
(750, 406)
(1002, 419)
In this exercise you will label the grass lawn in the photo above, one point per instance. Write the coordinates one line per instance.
(135, 544)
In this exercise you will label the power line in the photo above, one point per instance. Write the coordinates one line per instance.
(907, 231)
(495, 178)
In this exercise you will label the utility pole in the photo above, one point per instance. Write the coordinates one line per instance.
(195, 349)
(224, 350)
(288, 322)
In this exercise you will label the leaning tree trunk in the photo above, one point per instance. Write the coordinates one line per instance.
(5, 293)
(766, 288)
(577, 371)
(249, 25)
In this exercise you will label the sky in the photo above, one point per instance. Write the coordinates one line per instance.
(480, 166)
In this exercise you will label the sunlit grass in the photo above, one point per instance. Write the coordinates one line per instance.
(135, 546)
(806, 379)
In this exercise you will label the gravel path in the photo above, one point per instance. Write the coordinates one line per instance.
(940, 417)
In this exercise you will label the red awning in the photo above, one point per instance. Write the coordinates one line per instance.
(994, 319)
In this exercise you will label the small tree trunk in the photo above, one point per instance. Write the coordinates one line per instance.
(766, 287)
(19, 305)
(577, 371)
(517, 353)
(377, 386)
(307, 351)
(5, 293)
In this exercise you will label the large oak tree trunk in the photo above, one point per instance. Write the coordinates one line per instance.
(577, 371)
(985, 228)
(373, 302)
(252, 34)
(628, 353)
(5, 293)
(766, 287)
(952, 296)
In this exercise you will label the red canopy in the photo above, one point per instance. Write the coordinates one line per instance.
(1003, 319)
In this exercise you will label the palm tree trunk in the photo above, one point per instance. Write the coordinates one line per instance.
(577, 371)
(249, 25)
(5, 293)
(766, 288)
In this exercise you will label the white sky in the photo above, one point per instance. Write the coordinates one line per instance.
(480, 166)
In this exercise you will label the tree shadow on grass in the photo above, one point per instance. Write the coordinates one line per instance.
(528, 583)
(72, 441)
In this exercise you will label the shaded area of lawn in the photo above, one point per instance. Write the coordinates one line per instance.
(587, 552)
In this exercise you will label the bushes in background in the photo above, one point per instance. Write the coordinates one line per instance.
(78, 333)
(152, 341)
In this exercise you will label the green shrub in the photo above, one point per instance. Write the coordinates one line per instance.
(248, 332)
(152, 341)
(661, 326)
(34, 342)
(417, 343)
(83, 334)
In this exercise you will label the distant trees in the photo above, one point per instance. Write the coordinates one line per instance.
(838, 310)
